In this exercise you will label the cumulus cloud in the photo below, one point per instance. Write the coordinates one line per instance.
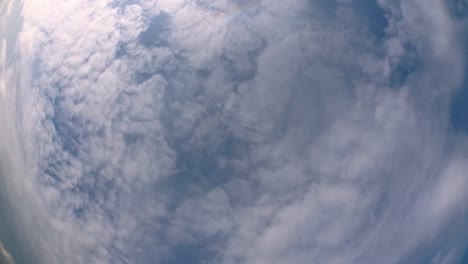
(241, 131)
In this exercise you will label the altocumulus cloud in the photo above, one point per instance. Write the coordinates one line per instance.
(240, 131)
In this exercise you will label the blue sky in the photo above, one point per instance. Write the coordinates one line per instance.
(235, 131)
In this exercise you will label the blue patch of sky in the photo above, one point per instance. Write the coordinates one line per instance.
(328, 6)
(69, 130)
(435, 250)
(405, 65)
(121, 51)
(123, 3)
(459, 101)
(458, 8)
(373, 16)
(459, 104)
(464, 258)
(156, 33)
(459, 110)
(196, 254)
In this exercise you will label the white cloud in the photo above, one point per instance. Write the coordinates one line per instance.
(275, 136)
(5, 257)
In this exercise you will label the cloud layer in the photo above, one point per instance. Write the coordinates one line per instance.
(239, 131)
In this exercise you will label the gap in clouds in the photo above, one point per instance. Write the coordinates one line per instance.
(373, 16)
(459, 8)
(458, 104)
(154, 35)
(459, 109)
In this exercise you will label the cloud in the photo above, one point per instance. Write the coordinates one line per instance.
(243, 132)
(5, 257)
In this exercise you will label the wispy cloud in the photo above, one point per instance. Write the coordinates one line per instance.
(5, 257)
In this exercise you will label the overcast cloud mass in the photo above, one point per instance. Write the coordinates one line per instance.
(234, 131)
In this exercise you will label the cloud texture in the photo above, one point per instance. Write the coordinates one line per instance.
(5, 257)
(253, 131)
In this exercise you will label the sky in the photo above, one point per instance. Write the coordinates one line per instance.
(234, 131)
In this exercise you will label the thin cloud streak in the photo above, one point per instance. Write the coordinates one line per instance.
(5, 257)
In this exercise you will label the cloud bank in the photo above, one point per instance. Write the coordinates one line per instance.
(240, 131)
